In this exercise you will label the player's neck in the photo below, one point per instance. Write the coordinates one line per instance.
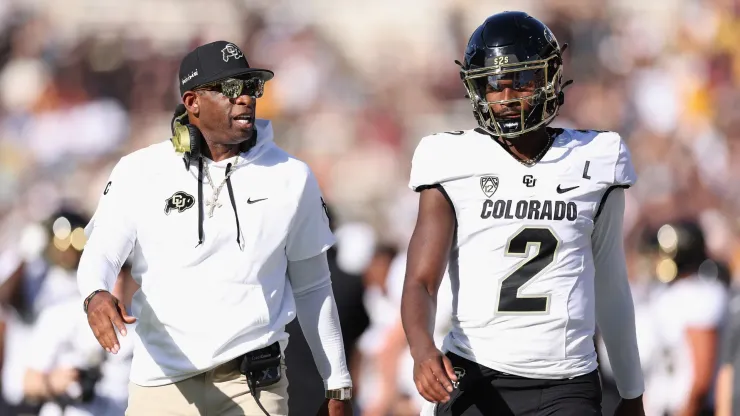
(218, 152)
(528, 146)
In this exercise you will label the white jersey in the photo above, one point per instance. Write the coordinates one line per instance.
(44, 288)
(62, 338)
(689, 303)
(522, 265)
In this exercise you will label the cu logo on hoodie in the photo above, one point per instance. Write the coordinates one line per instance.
(179, 201)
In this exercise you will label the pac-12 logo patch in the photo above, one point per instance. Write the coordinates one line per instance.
(179, 201)
(489, 185)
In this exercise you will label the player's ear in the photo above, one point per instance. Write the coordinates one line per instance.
(191, 100)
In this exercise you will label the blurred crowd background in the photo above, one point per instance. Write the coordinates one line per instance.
(357, 84)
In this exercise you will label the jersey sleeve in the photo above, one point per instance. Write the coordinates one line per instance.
(111, 232)
(615, 312)
(435, 160)
(115, 207)
(422, 165)
(319, 319)
(624, 171)
(309, 234)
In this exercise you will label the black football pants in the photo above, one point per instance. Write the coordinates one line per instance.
(482, 391)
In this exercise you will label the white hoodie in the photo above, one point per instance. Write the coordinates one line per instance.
(201, 305)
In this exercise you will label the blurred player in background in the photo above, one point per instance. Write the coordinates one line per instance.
(398, 393)
(530, 220)
(47, 259)
(644, 287)
(728, 379)
(687, 320)
(67, 369)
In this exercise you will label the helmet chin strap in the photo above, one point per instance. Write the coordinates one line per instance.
(561, 94)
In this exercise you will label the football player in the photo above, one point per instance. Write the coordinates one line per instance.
(688, 317)
(528, 221)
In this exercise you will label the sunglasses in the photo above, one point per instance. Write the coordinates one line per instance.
(234, 87)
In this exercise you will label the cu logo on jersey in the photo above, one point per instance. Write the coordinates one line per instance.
(529, 181)
(180, 201)
(231, 51)
(489, 185)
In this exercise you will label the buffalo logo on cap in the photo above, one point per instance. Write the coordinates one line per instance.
(231, 51)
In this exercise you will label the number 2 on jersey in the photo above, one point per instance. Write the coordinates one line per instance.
(510, 301)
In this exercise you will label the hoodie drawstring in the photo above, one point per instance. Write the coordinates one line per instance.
(246, 147)
(200, 201)
(233, 205)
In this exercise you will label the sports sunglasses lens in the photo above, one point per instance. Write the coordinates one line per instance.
(232, 88)
(254, 87)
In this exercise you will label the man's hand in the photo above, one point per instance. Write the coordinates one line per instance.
(333, 407)
(630, 407)
(103, 312)
(433, 375)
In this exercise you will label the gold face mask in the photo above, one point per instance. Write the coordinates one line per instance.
(537, 89)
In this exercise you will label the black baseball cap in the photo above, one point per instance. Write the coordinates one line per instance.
(215, 61)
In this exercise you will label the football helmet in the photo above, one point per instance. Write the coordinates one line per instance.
(680, 247)
(66, 229)
(513, 50)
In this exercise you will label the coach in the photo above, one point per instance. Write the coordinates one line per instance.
(229, 236)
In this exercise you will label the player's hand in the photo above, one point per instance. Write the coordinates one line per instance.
(332, 407)
(59, 380)
(433, 375)
(630, 407)
(103, 312)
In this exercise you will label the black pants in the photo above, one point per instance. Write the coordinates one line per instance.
(482, 391)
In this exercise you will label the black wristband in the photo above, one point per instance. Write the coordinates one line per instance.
(89, 298)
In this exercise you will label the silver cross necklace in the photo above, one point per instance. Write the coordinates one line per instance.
(213, 203)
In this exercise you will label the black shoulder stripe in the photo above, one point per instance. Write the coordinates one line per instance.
(425, 187)
(603, 198)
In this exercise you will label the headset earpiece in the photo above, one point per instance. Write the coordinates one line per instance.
(181, 140)
(186, 138)
(177, 118)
